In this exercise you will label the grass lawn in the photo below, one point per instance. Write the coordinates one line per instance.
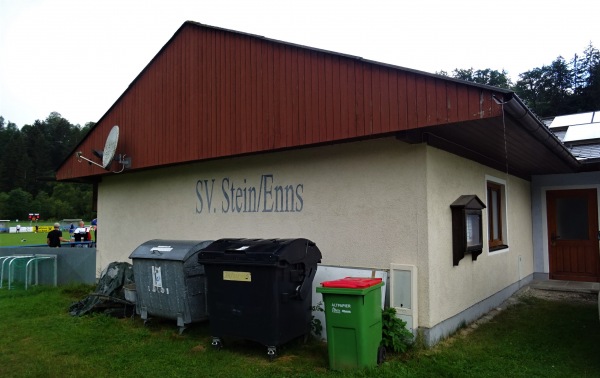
(24, 238)
(40, 339)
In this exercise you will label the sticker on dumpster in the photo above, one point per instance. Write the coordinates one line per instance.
(341, 308)
(161, 248)
(237, 276)
(157, 285)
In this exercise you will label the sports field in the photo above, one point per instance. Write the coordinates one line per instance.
(26, 238)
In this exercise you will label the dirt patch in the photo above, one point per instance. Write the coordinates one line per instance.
(199, 349)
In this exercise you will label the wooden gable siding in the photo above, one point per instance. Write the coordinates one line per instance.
(213, 93)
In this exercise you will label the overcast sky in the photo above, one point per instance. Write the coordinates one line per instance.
(76, 57)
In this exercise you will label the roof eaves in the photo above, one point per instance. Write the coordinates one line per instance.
(536, 127)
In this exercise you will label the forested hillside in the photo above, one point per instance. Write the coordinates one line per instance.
(29, 157)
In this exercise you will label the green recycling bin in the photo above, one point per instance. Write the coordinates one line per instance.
(353, 322)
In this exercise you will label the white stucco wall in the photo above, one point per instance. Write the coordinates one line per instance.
(459, 287)
(365, 204)
(362, 203)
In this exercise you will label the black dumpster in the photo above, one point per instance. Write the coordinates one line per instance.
(260, 289)
(169, 281)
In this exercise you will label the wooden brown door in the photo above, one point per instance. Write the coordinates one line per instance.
(573, 235)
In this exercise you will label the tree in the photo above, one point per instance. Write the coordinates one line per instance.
(558, 85)
(563, 87)
(62, 209)
(34, 152)
(15, 162)
(547, 90)
(78, 196)
(3, 203)
(38, 151)
(18, 204)
(486, 76)
(43, 205)
(587, 85)
(558, 88)
(530, 87)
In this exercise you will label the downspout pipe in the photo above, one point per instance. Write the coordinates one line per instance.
(515, 108)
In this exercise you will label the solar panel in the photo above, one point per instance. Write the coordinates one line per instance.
(582, 132)
(573, 119)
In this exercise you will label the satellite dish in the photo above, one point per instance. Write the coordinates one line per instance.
(110, 147)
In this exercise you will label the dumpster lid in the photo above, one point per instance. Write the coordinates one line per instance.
(260, 251)
(352, 282)
(176, 250)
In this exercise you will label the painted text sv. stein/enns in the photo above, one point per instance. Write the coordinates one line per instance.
(268, 196)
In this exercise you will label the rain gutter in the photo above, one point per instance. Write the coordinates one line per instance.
(532, 124)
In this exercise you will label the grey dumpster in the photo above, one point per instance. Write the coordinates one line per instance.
(169, 281)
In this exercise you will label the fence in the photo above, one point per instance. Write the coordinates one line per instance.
(74, 265)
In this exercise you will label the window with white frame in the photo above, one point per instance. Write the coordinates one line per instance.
(496, 211)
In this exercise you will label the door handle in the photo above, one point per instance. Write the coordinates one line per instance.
(554, 238)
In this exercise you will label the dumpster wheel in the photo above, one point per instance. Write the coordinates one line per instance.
(380, 354)
(271, 352)
(217, 343)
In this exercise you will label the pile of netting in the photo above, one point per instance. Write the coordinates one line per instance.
(109, 297)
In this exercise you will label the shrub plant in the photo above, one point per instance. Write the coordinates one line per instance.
(395, 336)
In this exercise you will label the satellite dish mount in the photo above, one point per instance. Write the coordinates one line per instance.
(109, 155)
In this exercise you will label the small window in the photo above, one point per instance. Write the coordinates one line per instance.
(496, 218)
